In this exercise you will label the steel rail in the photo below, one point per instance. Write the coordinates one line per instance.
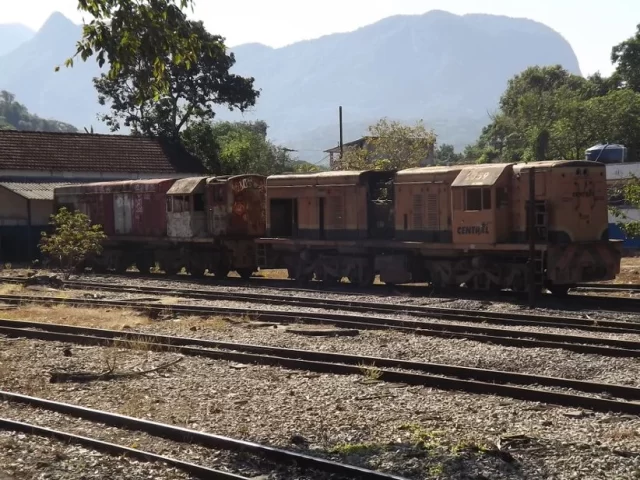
(482, 381)
(526, 339)
(425, 311)
(210, 440)
(608, 286)
(114, 449)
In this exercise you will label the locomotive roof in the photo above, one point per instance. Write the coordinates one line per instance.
(116, 185)
(321, 178)
(485, 175)
(558, 163)
(186, 186)
(423, 174)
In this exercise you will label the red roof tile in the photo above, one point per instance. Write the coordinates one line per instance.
(82, 152)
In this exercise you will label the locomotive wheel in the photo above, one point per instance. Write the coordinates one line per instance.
(121, 266)
(170, 269)
(295, 273)
(221, 272)
(362, 277)
(245, 273)
(331, 280)
(197, 272)
(559, 290)
(143, 266)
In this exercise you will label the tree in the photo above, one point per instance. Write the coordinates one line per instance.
(232, 148)
(194, 89)
(547, 113)
(73, 240)
(390, 145)
(123, 31)
(626, 58)
(446, 155)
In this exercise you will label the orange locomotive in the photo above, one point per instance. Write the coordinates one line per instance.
(465, 224)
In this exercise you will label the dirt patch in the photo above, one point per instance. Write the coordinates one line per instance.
(111, 318)
(629, 270)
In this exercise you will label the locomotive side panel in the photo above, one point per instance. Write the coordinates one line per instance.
(423, 204)
(317, 207)
(572, 201)
(246, 205)
(340, 208)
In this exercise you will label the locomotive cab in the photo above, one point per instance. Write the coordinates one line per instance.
(480, 198)
(186, 208)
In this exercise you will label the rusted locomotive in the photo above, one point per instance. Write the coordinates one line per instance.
(449, 226)
(194, 223)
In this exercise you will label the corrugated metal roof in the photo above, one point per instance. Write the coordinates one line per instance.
(33, 191)
(480, 175)
(186, 186)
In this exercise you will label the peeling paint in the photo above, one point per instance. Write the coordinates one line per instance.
(186, 224)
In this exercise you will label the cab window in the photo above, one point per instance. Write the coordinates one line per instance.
(476, 199)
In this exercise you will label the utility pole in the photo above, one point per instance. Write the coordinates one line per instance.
(341, 143)
(531, 227)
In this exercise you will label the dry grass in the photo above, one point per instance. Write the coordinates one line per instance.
(114, 319)
(111, 318)
(629, 270)
(169, 300)
(12, 289)
(274, 274)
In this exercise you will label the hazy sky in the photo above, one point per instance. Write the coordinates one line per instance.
(592, 27)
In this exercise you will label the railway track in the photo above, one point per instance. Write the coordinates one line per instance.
(182, 435)
(571, 302)
(518, 338)
(429, 312)
(609, 287)
(198, 471)
(447, 377)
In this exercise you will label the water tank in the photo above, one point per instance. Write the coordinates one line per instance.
(608, 153)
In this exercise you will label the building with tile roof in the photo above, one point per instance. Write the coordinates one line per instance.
(32, 164)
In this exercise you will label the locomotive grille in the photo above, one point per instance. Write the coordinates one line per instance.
(432, 211)
(417, 212)
(337, 215)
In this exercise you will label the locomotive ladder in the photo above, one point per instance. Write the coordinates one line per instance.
(542, 236)
(541, 228)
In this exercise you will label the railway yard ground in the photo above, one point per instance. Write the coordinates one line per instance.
(362, 416)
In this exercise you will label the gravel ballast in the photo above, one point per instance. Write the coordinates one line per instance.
(371, 343)
(417, 432)
(28, 457)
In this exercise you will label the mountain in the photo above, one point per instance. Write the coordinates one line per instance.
(13, 35)
(15, 116)
(29, 73)
(446, 69)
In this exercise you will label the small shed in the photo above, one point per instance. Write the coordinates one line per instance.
(26, 211)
